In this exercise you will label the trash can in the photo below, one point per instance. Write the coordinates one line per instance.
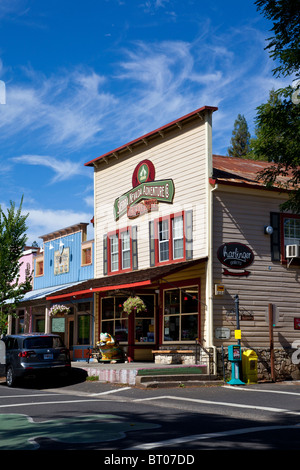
(249, 366)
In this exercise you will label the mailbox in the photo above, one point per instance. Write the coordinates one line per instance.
(249, 366)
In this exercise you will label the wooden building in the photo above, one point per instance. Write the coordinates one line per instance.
(65, 259)
(186, 232)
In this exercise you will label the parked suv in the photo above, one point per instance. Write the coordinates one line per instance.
(33, 353)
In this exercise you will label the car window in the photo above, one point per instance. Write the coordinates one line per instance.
(11, 343)
(43, 342)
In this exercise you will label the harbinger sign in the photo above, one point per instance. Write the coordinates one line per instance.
(235, 256)
(145, 194)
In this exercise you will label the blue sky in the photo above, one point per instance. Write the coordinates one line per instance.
(84, 77)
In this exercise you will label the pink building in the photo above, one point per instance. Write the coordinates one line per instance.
(27, 262)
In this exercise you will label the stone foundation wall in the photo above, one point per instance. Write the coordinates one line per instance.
(285, 367)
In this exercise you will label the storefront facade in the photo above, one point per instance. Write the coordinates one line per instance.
(65, 259)
(151, 218)
(186, 231)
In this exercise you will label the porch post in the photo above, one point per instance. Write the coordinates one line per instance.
(47, 318)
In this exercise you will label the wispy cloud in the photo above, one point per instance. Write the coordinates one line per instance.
(65, 109)
(41, 222)
(153, 83)
(63, 169)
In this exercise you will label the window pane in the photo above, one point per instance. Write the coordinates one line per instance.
(189, 327)
(114, 252)
(144, 330)
(84, 329)
(108, 327)
(163, 237)
(171, 328)
(189, 300)
(172, 301)
(149, 302)
(40, 325)
(125, 250)
(178, 237)
(107, 308)
(291, 231)
(121, 330)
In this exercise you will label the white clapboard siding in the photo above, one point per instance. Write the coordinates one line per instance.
(180, 157)
(240, 216)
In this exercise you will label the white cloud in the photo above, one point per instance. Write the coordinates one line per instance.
(63, 169)
(66, 109)
(154, 84)
(43, 221)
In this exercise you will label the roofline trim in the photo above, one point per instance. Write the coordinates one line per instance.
(152, 133)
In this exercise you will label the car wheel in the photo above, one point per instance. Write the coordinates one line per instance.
(10, 377)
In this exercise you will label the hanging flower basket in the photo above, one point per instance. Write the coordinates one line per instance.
(55, 309)
(134, 304)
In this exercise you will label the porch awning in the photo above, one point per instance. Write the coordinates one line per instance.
(134, 279)
(39, 294)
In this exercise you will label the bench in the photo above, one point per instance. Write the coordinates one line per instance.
(174, 356)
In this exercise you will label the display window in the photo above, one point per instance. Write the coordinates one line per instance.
(181, 314)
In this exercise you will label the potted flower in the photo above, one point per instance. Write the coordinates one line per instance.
(55, 309)
(134, 304)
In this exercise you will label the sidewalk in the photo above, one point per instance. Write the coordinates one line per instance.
(148, 374)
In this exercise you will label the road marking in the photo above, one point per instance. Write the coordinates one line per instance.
(263, 391)
(29, 396)
(213, 435)
(110, 391)
(221, 403)
(52, 402)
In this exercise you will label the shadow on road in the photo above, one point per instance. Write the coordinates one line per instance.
(50, 379)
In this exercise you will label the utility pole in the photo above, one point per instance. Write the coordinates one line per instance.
(237, 314)
(271, 343)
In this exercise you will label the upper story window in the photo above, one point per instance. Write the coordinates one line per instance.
(286, 231)
(86, 255)
(291, 231)
(171, 238)
(39, 267)
(120, 251)
(114, 252)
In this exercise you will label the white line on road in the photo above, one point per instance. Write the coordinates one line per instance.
(258, 390)
(220, 403)
(110, 391)
(29, 396)
(52, 402)
(213, 435)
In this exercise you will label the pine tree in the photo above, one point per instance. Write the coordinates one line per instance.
(240, 146)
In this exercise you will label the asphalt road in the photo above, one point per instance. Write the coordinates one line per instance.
(165, 422)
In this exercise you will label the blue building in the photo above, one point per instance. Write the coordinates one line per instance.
(65, 259)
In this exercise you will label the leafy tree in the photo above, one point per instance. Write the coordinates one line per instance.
(12, 242)
(278, 120)
(284, 46)
(240, 138)
(278, 141)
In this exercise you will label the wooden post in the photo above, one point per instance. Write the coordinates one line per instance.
(271, 342)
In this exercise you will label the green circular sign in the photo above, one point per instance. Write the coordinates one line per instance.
(143, 173)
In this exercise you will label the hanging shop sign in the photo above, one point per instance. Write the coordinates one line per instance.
(145, 194)
(237, 257)
(61, 261)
